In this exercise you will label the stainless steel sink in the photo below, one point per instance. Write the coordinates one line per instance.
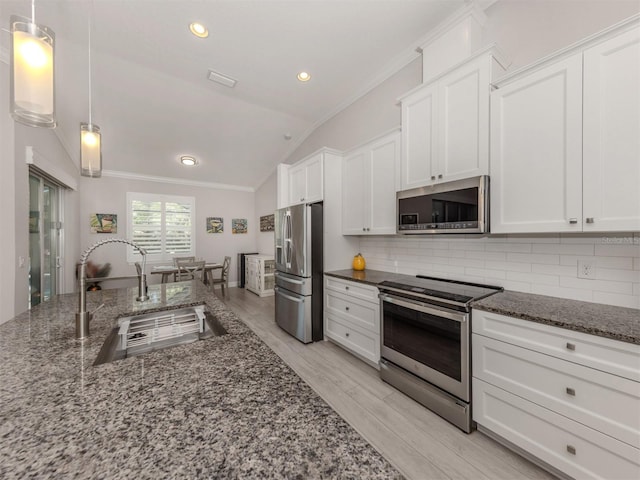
(144, 333)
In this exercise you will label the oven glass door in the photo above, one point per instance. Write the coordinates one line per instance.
(429, 341)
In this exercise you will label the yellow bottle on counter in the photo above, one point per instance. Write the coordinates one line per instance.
(358, 262)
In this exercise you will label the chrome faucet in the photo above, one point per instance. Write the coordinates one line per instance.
(83, 317)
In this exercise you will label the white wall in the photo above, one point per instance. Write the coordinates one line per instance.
(108, 195)
(542, 264)
(265, 204)
(528, 30)
(8, 257)
(14, 211)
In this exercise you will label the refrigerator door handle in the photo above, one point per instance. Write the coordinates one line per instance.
(290, 280)
(289, 297)
(287, 239)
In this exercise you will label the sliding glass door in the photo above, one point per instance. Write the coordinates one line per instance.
(44, 239)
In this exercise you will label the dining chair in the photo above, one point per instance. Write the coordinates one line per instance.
(176, 260)
(191, 270)
(223, 280)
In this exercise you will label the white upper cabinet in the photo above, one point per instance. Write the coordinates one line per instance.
(463, 121)
(368, 191)
(418, 138)
(306, 181)
(611, 158)
(565, 140)
(445, 125)
(536, 151)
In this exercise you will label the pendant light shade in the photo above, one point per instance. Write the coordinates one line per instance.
(90, 137)
(32, 73)
(90, 150)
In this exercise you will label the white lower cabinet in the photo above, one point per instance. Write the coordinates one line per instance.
(569, 399)
(352, 317)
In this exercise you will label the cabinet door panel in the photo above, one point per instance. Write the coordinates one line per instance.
(569, 446)
(297, 184)
(536, 151)
(314, 177)
(382, 193)
(353, 193)
(418, 138)
(612, 134)
(580, 393)
(463, 112)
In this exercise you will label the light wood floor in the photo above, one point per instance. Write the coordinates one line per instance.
(417, 442)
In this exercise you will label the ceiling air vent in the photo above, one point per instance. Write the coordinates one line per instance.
(221, 79)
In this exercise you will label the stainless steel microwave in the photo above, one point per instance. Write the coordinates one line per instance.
(461, 206)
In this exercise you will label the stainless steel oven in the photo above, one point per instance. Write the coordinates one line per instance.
(425, 343)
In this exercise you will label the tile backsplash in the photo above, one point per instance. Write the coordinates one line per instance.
(543, 264)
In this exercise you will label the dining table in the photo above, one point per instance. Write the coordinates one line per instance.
(167, 270)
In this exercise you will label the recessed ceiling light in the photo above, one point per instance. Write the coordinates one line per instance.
(199, 30)
(188, 160)
(304, 76)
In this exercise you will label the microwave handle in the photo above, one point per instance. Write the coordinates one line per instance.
(456, 317)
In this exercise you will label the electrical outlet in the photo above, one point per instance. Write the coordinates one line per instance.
(587, 269)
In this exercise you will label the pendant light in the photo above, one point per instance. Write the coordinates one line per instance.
(32, 72)
(90, 137)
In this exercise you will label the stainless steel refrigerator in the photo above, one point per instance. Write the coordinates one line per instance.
(298, 290)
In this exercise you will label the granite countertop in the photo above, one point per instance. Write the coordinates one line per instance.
(609, 321)
(222, 407)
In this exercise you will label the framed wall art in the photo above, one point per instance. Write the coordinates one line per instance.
(267, 223)
(239, 225)
(104, 223)
(215, 224)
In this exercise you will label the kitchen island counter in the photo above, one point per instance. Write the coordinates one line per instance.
(222, 407)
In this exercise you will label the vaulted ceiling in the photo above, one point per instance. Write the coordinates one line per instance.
(153, 101)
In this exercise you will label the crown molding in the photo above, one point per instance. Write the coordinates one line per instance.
(175, 181)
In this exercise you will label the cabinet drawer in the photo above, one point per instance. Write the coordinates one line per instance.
(612, 356)
(358, 290)
(366, 345)
(361, 313)
(605, 402)
(552, 437)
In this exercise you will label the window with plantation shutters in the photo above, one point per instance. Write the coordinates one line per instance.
(161, 224)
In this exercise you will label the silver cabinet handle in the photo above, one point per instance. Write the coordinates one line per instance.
(364, 229)
(571, 449)
(440, 176)
(346, 308)
(573, 221)
(571, 391)
(589, 220)
(570, 346)
(346, 334)
(433, 177)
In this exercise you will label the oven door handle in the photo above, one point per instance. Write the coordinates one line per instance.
(455, 316)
